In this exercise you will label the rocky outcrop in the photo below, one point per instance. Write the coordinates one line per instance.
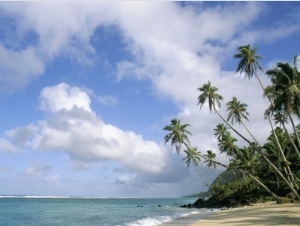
(218, 204)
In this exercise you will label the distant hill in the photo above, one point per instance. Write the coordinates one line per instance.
(223, 178)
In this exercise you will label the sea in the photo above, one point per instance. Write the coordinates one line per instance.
(85, 211)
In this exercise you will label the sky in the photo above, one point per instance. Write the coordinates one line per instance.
(86, 88)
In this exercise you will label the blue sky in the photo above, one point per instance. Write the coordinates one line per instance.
(86, 88)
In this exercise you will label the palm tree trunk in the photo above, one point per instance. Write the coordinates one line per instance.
(282, 153)
(231, 126)
(202, 175)
(291, 140)
(278, 171)
(295, 131)
(296, 149)
(205, 180)
(277, 198)
(249, 132)
(262, 154)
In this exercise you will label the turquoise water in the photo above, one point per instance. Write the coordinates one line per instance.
(91, 211)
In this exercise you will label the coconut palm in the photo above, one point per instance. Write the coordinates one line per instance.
(278, 155)
(237, 111)
(192, 155)
(210, 159)
(178, 134)
(220, 131)
(286, 87)
(209, 94)
(227, 145)
(246, 159)
(246, 162)
(285, 93)
(248, 62)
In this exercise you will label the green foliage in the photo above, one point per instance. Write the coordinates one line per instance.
(254, 170)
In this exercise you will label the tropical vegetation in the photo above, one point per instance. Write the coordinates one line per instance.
(259, 170)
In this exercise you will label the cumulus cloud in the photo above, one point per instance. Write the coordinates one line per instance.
(75, 129)
(175, 48)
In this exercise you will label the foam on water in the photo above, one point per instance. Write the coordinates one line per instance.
(82, 211)
(150, 221)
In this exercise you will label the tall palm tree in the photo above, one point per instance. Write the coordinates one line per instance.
(227, 145)
(209, 94)
(192, 155)
(178, 134)
(285, 93)
(221, 130)
(246, 161)
(279, 155)
(248, 62)
(237, 111)
(211, 163)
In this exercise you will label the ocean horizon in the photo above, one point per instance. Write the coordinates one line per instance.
(104, 211)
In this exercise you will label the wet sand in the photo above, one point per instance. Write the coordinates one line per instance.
(259, 214)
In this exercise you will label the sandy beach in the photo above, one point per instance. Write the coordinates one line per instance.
(259, 214)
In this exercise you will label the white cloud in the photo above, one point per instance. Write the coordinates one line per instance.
(18, 68)
(7, 147)
(75, 129)
(64, 97)
(176, 49)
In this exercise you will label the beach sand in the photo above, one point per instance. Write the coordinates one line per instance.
(259, 214)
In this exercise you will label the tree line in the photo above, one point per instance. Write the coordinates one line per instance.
(274, 165)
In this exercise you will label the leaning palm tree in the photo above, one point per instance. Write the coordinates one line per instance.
(221, 131)
(178, 134)
(237, 111)
(192, 155)
(209, 94)
(227, 145)
(279, 155)
(246, 161)
(210, 157)
(248, 62)
(285, 93)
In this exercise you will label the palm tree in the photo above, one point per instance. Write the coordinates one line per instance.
(279, 155)
(221, 130)
(248, 62)
(192, 155)
(210, 157)
(237, 111)
(209, 94)
(285, 92)
(178, 134)
(227, 145)
(246, 161)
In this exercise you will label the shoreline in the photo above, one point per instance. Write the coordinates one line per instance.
(268, 213)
